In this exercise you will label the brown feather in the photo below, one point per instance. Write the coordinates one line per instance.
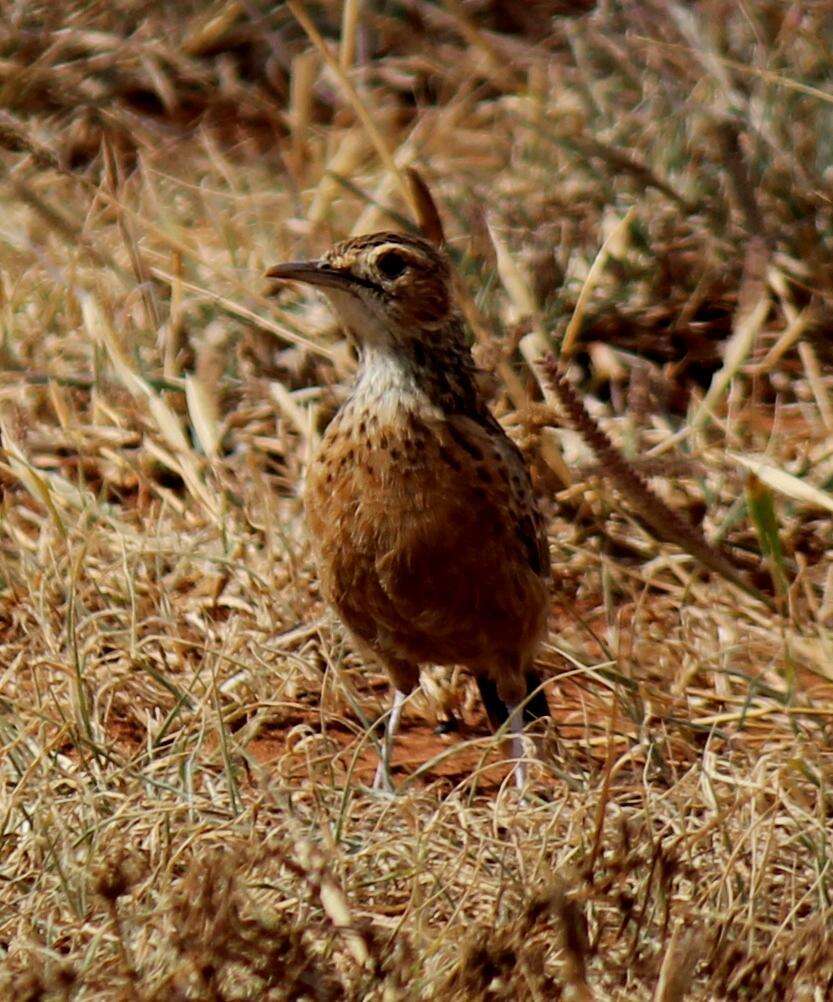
(421, 512)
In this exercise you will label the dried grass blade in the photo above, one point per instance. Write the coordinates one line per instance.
(534, 347)
(753, 308)
(174, 329)
(788, 338)
(225, 752)
(553, 456)
(304, 72)
(185, 470)
(762, 512)
(33, 481)
(235, 309)
(165, 419)
(47, 487)
(208, 26)
(100, 331)
(513, 279)
(785, 483)
(572, 925)
(333, 900)
(733, 64)
(666, 522)
(202, 409)
(291, 410)
(677, 971)
(349, 26)
(810, 362)
(355, 100)
(615, 243)
(334, 903)
(167, 422)
(497, 66)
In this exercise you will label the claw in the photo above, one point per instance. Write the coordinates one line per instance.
(382, 781)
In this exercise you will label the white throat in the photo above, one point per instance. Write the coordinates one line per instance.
(386, 385)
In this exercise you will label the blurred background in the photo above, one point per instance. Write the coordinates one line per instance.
(644, 188)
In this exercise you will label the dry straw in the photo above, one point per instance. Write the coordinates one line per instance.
(185, 738)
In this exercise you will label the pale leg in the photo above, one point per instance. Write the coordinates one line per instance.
(382, 780)
(516, 729)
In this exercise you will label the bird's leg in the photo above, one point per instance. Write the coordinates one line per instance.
(516, 729)
(382, 780)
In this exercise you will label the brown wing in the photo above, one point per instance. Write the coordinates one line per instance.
(529, 525)
(429, 546)
(467, 566)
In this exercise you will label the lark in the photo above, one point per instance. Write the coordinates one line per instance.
(427, 537)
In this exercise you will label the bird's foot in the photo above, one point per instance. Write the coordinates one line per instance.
(520, 772)
(382, 782)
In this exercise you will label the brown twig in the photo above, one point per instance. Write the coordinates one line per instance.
(665, 522)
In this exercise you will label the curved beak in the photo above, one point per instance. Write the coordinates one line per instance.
(315, 273)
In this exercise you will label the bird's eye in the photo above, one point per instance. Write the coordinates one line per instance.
(391, 264)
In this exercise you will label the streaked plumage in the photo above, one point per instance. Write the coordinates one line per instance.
(420, 508)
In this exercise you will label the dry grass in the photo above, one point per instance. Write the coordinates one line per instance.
(185, 737)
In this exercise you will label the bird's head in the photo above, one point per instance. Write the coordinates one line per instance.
(386, 288)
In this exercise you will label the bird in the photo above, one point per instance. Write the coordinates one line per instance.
(427, 537)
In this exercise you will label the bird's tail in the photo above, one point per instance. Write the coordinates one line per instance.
(498, 712)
